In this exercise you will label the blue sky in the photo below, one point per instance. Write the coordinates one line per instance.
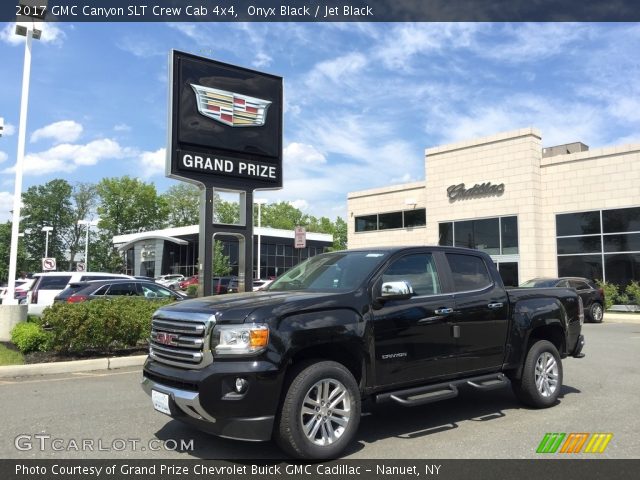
(362, 100)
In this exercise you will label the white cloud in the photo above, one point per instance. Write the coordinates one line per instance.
(51, 34)
(122, 127)
(152, 163)
(6, 206)
(3, 157)
(302, 153)
(338, 69)
(262, 60)
(59, 132)
(300, 204)
(9, 130)
(68, 157)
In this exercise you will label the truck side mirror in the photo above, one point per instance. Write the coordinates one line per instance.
(397, 290)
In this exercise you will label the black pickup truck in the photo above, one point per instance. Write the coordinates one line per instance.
(403, 325)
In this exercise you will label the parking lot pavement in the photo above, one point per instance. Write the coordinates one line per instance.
(110, 410)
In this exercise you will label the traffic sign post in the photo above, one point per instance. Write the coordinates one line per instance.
(48, 264)
(300, 237)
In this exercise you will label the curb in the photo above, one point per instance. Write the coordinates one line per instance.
(616, 317)
(12, 371)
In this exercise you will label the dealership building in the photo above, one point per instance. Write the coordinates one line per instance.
(175, 250)
(538, 211)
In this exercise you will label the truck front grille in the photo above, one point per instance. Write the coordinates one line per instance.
(180, 343)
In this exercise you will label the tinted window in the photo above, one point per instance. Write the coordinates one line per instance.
(366, 223)
(101, 291)
(445, 233)
(629, 242)
(578, 285)
(579, 245)
(151, 290)
(390, 220)
(123, 289)
(583, 223)
(54, 282)
(622, 268)
(509, 230)
(587, 266)
(469, 272)
(415, 218)
(621, 220)
(418, 269)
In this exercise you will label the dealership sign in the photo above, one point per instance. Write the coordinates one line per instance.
(460, 192)
(225, 124)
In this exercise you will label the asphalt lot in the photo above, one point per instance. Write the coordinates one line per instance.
(601, 394)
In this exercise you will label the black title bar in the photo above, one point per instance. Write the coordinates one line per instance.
(324, 10)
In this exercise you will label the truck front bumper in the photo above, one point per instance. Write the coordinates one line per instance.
(185, 406)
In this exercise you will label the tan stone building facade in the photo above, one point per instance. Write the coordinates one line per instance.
(558, 211)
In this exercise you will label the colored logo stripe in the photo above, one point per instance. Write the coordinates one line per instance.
(550, 443)
(598, 442)
(574, 443)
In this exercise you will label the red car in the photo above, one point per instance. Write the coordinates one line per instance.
(189, 281)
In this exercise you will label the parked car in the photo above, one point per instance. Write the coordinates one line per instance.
(83, 291)
(407, 326)
(194, 280)
(171, 280)
(22, 286)
(221, 285)
(592, 296)
(50, 284)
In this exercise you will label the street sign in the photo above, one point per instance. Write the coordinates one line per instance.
(300, 237)
(80, 267)
(48, 264)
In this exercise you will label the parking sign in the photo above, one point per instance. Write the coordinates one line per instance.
(48, 264)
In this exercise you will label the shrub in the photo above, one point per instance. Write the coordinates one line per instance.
(610, 293)
(30, 337)
(192, 290)
(633, 292)
(103, 324)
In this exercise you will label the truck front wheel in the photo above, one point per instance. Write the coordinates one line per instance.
(541, 380)
(320, 413)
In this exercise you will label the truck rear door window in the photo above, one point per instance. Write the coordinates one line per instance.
(54, 282)
(469, 272)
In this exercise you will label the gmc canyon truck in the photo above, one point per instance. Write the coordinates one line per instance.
(402, 325)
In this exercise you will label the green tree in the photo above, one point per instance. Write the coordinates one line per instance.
(281, 215)
(47, 205)
(85, 199)
(183, 201)
(221, 263)
(226, 212)
(22, 264)
(128, 205)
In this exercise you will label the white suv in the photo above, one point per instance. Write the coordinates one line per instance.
(50, 284)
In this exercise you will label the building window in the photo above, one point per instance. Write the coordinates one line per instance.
(496, 236)
(391, 220)
(600, 245)
(415, 218)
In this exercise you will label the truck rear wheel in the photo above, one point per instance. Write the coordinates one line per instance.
(541, 380)
(320, 413)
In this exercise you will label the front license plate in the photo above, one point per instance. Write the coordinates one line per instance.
(160, 402)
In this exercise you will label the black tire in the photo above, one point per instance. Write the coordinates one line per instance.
(596, 312)
(545, 393)
(307, 436)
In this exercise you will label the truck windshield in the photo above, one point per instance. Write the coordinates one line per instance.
(339, 271)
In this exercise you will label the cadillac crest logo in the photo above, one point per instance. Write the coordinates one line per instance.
(231, 108)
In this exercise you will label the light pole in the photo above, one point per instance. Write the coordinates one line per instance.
(89, 224)
(259, 202)
(46, 242)
(30, 31)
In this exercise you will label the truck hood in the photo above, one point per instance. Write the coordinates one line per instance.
(237, 307)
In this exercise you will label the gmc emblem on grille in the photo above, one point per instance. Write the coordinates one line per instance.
(166, 338)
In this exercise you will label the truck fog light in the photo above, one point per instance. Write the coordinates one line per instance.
(241, 385)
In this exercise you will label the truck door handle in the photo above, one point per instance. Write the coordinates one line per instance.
(495, 306)
(443, 311)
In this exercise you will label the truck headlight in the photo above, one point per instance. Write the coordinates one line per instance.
(239, 339)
